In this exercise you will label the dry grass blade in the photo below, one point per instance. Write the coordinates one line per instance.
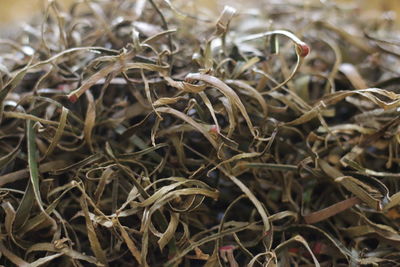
(201, 128)
(301, 240)
(227, 91)
(330, 211)
(93, 239)
(170, 232)
(59, 132)
(32, 162)
(89, 120)
(156, 133)
(12, 257)
(129, 242)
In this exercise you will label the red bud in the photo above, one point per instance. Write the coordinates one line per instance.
(214, 129)
(303, 49)
(73, 98)
(317, 249)
(225, 248)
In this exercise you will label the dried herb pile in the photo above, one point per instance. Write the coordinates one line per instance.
(150, 133)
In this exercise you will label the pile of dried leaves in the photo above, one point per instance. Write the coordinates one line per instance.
(141, 133)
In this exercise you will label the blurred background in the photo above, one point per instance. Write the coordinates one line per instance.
(13, 12)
